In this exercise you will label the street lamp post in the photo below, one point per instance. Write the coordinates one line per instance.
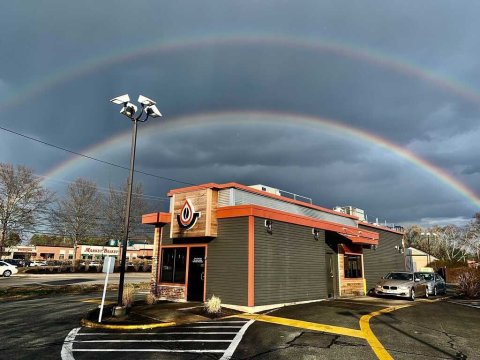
(129, 110)
(428, 244)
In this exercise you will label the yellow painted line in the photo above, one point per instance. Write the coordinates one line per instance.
(304, 325)
(97, 301)
(372, 340)
(95, 325)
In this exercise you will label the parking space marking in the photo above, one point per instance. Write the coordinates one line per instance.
(305, 325)
(220, 338)
(372, 340)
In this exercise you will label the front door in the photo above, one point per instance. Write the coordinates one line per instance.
(330, 267)
(196, 274)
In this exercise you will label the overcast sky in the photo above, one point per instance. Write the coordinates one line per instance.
(245, 88)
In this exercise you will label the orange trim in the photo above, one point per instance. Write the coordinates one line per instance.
(171, 284)
(187, 275)
(259, 192)
(354, 234)
(188, 246)
(156, 218)
(251, 261)
(380, 227)
(205, 275)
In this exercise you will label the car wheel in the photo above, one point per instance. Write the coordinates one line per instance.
(7, 273)
(412, 294)
(435, 291)
(426, 293)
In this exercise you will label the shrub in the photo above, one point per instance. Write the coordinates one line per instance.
(469, 283)
(128, 295)
(150, 299)
(213, 305)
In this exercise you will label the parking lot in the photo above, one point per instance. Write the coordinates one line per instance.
(366, 328)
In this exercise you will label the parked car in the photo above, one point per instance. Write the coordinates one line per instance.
(91, 263)
(37, 263)
(7, 269)
(402, 284)
(15, 262)
(436, 284)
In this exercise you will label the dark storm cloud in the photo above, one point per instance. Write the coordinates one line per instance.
(42, 39)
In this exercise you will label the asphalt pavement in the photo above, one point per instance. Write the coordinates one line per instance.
(340, 329)
(70, 279)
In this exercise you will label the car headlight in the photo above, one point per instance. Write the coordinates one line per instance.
(403, 288)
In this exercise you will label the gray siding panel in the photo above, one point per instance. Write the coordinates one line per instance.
(383, 260)
(227, 262)
(240, 197)
(289, 264)
(166, 240)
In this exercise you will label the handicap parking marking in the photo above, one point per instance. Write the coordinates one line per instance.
(219, 338)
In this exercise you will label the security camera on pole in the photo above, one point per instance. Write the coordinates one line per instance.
(129, 110)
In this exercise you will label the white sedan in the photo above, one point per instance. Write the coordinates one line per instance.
(7, 269)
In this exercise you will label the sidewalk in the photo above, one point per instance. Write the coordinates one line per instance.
(161, 314)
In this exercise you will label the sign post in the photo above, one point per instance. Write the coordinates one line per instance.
(108, 266)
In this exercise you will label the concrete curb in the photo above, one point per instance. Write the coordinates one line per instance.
(95, 325)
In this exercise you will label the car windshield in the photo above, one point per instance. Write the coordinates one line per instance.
(399, 276)
(425, 276)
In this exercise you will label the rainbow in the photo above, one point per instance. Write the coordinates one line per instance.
(341, 49)
(271, 117)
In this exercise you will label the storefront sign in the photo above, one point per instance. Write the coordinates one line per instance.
(187, 217)
(99, 250)
(197, 260)
(194, 214)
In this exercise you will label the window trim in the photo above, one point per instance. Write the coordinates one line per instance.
(359, 268)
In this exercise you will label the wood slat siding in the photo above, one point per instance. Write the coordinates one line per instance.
(289, 264)
(227, 262)
(383, 260)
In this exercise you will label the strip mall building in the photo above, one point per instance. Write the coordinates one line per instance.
(255, 249)
(84, 252)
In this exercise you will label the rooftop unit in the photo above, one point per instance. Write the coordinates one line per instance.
(350, 210)
(266, 188)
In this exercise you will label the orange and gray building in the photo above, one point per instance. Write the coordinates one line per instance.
(255, 249)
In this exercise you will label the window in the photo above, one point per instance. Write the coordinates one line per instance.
(61, 257)
(174, 262)
(353, 266)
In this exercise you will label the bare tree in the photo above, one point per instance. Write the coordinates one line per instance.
(22, 201)
(473, 235)
(114, 211)
(450, 242)
(77, 215)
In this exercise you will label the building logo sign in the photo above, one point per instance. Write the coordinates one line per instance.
(187, 217)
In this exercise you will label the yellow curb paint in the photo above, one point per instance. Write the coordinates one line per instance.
(94, 325)
(304, 325)
(372, 340)
(97, 301)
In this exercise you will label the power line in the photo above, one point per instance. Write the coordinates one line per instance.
(91, 157)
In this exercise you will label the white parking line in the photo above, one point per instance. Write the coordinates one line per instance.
(233, 346)
(188, 336)
(152, 341)
(150, 350)
(161, 333)
(211, 327)
(67, 347)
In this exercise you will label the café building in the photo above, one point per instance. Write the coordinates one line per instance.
(256, 249)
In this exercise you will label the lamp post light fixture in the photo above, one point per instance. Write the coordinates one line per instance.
(129, 110)
(428, 244)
